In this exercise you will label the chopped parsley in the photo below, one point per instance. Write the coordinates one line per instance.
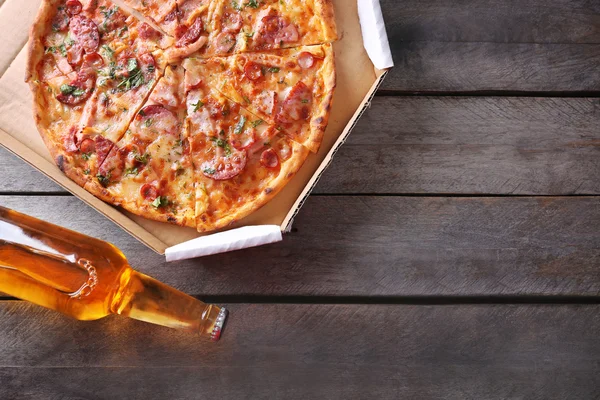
(236, 6)
(131, 171)
(68, 40)
(160, 201)
(107, 15)
(247, 100)
(86, 171)
(197, 105)
(239, 127)
(257, 123)
(50, 49)
(222, 144)
(148, 122)
(304, 101)
(104, 180)
(63, 50)
(209, 171)
(70, 89)
(135, 78)
(108, 51)
(274, 69)
(143, 158)
(252, 4)
(86, 156)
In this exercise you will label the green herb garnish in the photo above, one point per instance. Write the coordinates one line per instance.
(160, 201)
(197, 105)
(239, 127)
(69, 89)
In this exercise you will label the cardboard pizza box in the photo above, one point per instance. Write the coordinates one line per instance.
(362, 56)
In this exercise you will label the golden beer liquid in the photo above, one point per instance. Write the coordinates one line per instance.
(88, 279)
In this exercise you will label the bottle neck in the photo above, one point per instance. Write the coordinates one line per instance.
(146, 299)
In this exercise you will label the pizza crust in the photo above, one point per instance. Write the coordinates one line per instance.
(320, 120)
(324, 8)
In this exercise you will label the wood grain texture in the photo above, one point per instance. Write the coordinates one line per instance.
(476, 45)
(467, 145)
(445, 145)
(309, 351)
(384, 246)
(18, 176)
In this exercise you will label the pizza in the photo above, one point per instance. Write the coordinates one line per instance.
(191, 112)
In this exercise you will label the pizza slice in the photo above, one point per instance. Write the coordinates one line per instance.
(149, 171)
(240, 161)
(290, 88)
(258, 25)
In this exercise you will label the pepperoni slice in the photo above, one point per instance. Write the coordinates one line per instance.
(287, 34)
(60, 22)
(296, 105)
(149, 192)
(222, 168)
(148, 65)
(111, 170)
(102, 147)
(271, 23)
(253, 71)
(232, 23)
(269, 159)
(73, 7)
(79, 89)
(224, 42)
(244, 140)
(147, 32)
(156, 120)
(306, 60)
(87, 145)
(93, 60)
(84, 32)
(191, 35)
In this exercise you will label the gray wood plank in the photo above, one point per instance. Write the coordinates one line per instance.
(467, 145)
(509, 21)
(384, 246)
(18, 176)
(446, 145)
(309, 351)
(476, 45)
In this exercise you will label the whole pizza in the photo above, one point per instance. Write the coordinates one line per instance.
(193, 112)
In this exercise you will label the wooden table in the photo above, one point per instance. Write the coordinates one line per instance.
(452, 250)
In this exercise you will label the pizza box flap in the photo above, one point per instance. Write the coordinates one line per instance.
(357, 80)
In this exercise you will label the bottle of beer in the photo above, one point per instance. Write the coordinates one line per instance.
(88, 279)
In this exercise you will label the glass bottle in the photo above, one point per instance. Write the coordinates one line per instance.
(88, 279)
